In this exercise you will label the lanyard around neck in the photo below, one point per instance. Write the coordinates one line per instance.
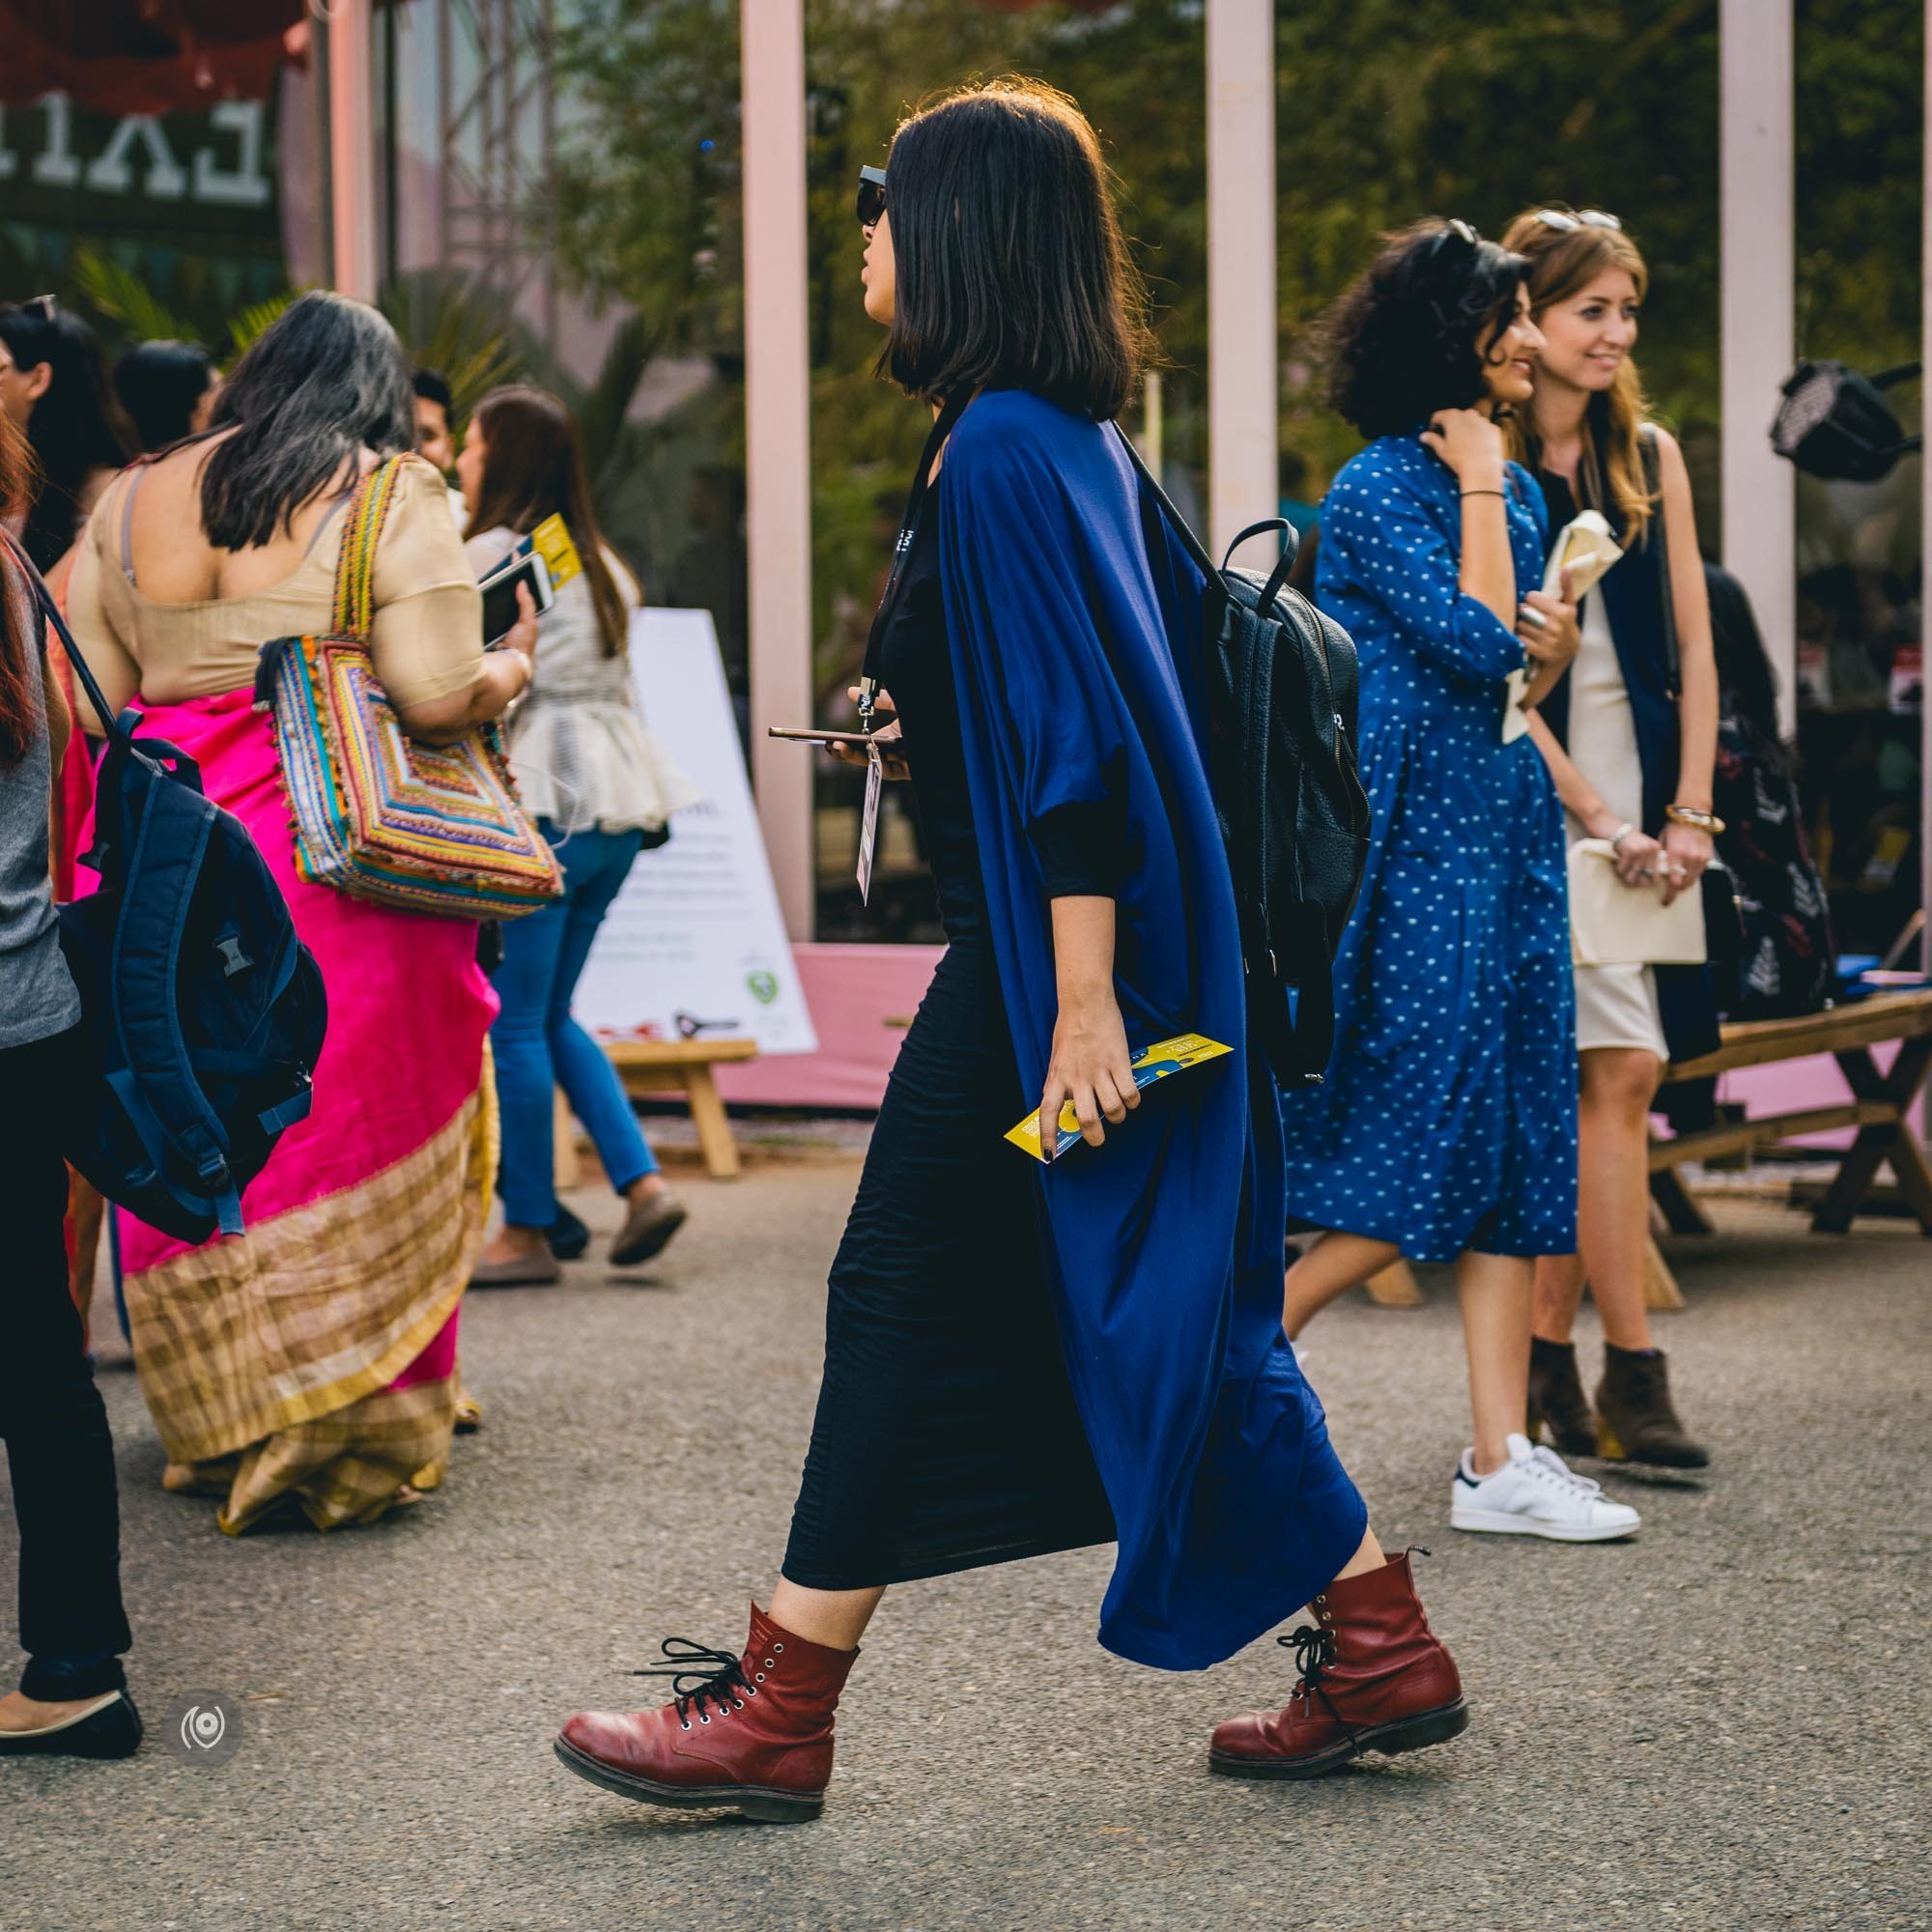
(868, 678)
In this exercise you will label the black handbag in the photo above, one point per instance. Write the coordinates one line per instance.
(1723, 916)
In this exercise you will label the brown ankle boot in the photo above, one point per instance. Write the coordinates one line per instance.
(1556, 1399)
(1373, 1677)
(1639, 1420)
(750, 1733)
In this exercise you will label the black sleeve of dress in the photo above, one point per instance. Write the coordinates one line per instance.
(1082, 849)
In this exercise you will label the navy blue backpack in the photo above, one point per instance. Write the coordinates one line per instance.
(204, 1012)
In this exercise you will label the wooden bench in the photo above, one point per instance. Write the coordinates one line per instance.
(684, 1066)
(1880, 1109)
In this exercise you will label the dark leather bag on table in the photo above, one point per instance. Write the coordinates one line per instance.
(1283, 687)
(204, 1012)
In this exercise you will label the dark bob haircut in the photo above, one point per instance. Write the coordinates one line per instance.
(323, 382)
(1012, 270)
(159, 385)
(1407, 337)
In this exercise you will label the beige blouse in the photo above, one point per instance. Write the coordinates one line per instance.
(427, 638)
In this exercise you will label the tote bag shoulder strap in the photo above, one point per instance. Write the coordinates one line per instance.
(356, 563)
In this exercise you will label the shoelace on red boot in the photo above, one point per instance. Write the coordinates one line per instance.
(1314, 1652)
(715, 1677)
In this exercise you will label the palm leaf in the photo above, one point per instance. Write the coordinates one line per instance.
(455, 327)
(120, 295)
(256, 318)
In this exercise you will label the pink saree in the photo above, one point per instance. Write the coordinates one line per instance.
(312, 1359)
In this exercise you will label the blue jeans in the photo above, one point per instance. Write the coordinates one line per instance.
(539, 1047)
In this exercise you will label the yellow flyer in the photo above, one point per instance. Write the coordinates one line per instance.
(553, 539)
(1154, 1062)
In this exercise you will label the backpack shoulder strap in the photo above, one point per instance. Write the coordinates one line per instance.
(1176, 523)
(356, 561)
(111, 724)
(1659, 539)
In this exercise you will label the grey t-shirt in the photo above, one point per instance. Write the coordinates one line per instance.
(37, 995)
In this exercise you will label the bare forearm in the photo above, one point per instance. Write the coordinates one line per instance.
(1487, 570)
(1580, 797)
(501, 678)
(1698, 715)
(1544, 679)
(1082, 953)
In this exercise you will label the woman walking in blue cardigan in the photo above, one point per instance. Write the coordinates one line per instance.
(1023, 1359)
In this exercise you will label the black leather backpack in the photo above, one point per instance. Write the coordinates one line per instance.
(1282, 684)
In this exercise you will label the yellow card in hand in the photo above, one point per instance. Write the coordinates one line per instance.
(1154, 1062)
(553, 539)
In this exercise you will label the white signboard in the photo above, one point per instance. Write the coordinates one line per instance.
(695, 945)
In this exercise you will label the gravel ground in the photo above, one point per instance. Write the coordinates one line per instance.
(1717, 1725)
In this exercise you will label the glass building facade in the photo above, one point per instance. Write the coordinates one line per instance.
(554, 190)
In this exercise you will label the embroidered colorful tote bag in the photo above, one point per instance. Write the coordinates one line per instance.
(378, 815)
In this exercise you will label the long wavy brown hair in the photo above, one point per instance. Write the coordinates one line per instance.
(20, 715)
(1562, 262)
(532, 471)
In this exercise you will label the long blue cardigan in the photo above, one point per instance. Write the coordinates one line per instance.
(1075, 624)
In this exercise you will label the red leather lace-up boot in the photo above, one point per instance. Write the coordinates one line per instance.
(750, 1733)
(1373, 1677)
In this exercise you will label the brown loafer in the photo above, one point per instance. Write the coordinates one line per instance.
(538, 1270)
(649, 1226)
(109, 1726)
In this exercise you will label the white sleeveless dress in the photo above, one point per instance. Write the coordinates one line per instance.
(1616, 1006)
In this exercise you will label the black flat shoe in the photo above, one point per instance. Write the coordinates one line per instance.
(569, 1237)
(112, 1728)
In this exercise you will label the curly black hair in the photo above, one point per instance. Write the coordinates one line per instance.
(1405, 339)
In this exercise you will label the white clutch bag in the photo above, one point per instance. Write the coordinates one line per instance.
(1616, 924)
(1586, 549)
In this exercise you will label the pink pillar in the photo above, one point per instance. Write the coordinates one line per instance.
(352, 147)
(1243, 357)
(1757, 271)
(777, 441)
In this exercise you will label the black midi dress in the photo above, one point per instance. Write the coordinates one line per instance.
(947, 1434)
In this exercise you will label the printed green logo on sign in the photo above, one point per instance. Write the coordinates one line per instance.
(762, 986)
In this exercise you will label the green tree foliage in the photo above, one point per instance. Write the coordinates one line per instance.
(1386, 109)
(647, 175)
(1860, 159)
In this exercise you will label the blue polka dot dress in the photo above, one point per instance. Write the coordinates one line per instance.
(1448, 1117)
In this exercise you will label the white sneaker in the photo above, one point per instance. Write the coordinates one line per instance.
(1535, 1493)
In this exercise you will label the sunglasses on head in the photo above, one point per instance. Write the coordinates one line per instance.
(1453, 230)
(871, 196)
(1566, 223)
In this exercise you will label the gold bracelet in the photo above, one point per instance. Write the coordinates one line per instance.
(1697, 821)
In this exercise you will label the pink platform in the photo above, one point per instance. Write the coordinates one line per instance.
(861, 997)
(1786, 1085)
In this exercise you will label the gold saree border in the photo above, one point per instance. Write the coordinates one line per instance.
(312, 1312)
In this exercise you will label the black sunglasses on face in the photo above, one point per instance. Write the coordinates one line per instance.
(871, 196)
